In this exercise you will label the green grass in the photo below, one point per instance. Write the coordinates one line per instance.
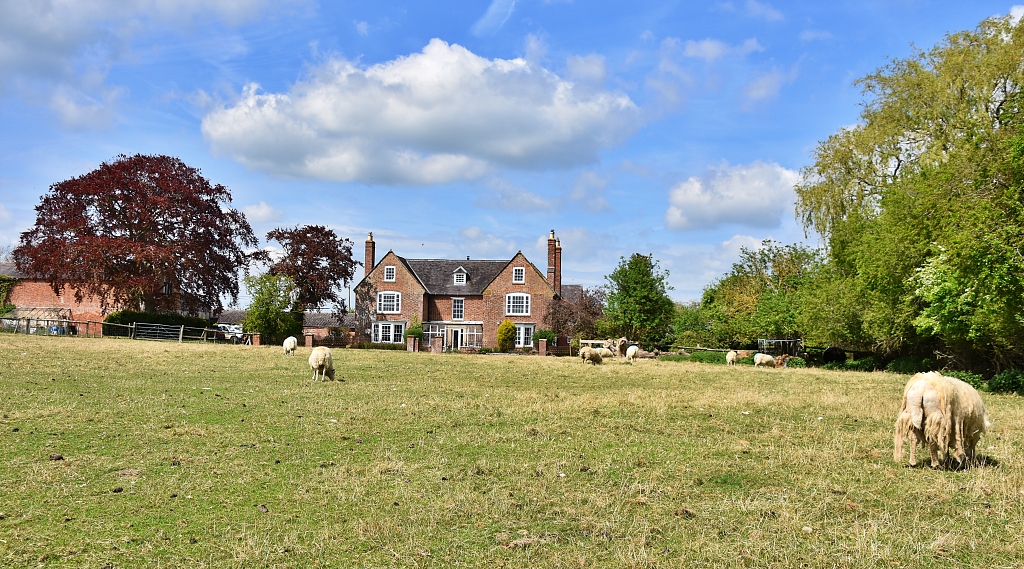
(419, 460)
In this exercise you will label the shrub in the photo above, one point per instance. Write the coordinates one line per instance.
(910, 365)
(708, 357)
(796, 362)
(168, 318)
(548, 335)
(1009, 381)
(674, 358)
(747, 361)
(415, 329)
(378, 346)
(506, 336)
(484, 351)
(972, 379)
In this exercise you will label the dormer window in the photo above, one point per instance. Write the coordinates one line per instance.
(389, 274)
(460, 276)
(519, 275)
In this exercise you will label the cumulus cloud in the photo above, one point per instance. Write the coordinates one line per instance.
(589, 190)
(262, 212)
(507, 196)
(1016, 12)
(437, 116)
(497, 14)
(756, 195)
(711, 49)
(767, 86)
(362, 28)
(763, 10)
(484, 243)
(586, 68)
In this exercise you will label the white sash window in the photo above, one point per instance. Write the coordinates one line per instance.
(389, 302)
(517, 304)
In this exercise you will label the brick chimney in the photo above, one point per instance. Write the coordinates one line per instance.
(551, 259)
(371, 249)
(558, 267)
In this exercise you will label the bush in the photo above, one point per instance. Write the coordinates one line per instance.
(548, 335)
(747, 361)
(910, 365)
(415, 329)
(796, 362)
(378, 346)
(708, 357)
(168, 318)
(506, 336)
(484, 351)
(972, 379)
(1009, 381)
(864, 364)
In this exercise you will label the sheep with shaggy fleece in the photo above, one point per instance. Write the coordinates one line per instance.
(940, 412)
(590, 355)
(321, 363)
(605, 352)
(289, 345)
(632, 352)
(730, 357)
(763, 360)
(621, 345)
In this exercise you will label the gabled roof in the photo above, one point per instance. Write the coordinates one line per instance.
(9, 270)
(436, 274)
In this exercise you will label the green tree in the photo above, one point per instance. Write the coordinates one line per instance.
(506, 336)
(269, 312)
(639, 307)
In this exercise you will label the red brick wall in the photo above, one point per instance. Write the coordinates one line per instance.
(412, 292)
(473, 307)
(28, 293)
(536, 286)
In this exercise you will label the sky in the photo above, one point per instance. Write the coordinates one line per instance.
(453, 129)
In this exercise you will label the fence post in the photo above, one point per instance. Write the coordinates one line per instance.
(131, 331)
(181, 333)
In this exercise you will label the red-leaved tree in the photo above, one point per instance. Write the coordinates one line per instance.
(318, 262)
(146, 232)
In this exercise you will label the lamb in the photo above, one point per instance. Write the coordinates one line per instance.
(590, 355)
(730, 358)
(631, 353)
(321, 363)
(289, 345)
(605, 353)
(763, 360)
(943, 412)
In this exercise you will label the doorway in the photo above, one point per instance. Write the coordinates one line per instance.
(456, 342)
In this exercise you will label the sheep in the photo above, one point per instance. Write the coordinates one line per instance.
(606, 353)
(621, 346)
(943, 412)
(631, 353)
(730, 358)
(590, 355)
(763, 360)
(289, 345)
(321, 363)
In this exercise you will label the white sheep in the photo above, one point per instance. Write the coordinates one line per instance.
(621, 345)
(940, 412)
(289, 345)
(763, 360)
(321, 363)
(631, 353)
(606, 353)
(730, 358)
(591, 355)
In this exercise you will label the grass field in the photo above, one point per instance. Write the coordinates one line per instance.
(226, 456)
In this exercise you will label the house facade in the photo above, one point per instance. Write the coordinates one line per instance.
(462, 302)
(35, 298)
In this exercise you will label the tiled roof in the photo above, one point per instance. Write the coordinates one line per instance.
(231, 317)
(327, 320)
(572, 293)
(436, 274)
(9, 270)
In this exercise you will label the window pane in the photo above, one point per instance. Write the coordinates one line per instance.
(376, 333)
(385, 333)
(458, 308)
(389, 273)
(397, 333)
(519, 336)
(527, 336)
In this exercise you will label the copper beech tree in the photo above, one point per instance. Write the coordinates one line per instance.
(147, 232)
(318, 262)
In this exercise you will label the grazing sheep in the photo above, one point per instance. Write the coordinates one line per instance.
(730, 358)
(621, 345)
(632, 352)
(289, 345)
(763, 360)
(605, 353)
(321, 363)
(942, 412)
(590, 355)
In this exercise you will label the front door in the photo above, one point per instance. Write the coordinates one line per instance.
(456, 340)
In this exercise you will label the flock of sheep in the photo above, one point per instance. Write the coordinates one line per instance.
(939, 412)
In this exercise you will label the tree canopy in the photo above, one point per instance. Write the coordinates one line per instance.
(140, 231)
(577, 319)
(638, 305)
(268, 313)
(318, 262)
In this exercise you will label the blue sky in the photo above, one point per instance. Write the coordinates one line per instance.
(462, 128)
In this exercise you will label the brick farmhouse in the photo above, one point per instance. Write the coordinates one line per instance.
(462, 302)
(35, 298)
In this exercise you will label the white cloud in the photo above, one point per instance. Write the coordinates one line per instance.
(263, 212)
(507, 196)
(812, 35)
(497, 14)
(589, 191)
(586, 68)
(756, 195)
(440, 115)
(483, 243)
(767, 86)
(763, 10)
(362, 28)
(711, 49)
(1016, 12)
(536, 49)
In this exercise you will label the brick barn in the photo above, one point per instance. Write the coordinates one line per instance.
(35, 298)
(460, 301)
